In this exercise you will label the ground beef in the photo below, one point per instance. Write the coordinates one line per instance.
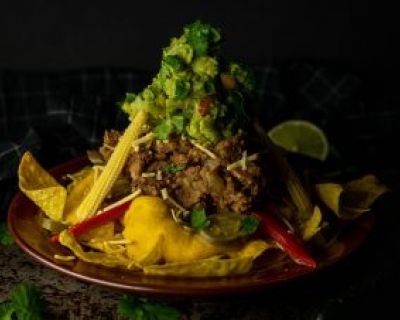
(191, 177)
(110, 140)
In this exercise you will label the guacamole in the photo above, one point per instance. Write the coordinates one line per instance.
(195, 92)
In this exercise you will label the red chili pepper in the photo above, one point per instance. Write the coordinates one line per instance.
(286, 239)
(96, 221)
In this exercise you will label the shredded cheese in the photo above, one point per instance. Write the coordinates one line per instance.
(146, 138)
(64, 258)
(121, 241)
(121, 201)
(243, 160)
(206, 151)
(239, 163)
(148, 174)
(159, 175)
(288, 224)
(167, 197)
(164, 194)
(173, 213)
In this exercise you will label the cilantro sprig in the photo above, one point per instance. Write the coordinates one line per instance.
(249, 225)
(25, 303)
(174, 168)
(199, 219)
(5, 236)
(132, 308)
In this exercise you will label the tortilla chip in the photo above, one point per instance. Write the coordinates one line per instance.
(352, 199)
(215, 266)
(100, 258)
(312, 225)
(39, 186)
(78, 190)
(102, 233)
(148, 224)
(106, 247)
(362, 193)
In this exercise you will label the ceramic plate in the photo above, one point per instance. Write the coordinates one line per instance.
(269, 270)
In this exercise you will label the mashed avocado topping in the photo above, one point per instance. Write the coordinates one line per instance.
(195, 92)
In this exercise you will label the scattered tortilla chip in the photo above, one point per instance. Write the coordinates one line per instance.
(100, 258)
(39, 186)
(353, 198)
(215, 266)
(362, 193)
(312, 225)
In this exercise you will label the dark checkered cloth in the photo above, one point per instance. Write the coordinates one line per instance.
(58, 115)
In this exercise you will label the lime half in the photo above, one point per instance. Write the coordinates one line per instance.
(300, 136)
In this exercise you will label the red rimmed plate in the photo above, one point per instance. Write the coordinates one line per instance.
(271, 269)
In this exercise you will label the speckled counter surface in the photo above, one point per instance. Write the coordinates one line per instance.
(361, 286)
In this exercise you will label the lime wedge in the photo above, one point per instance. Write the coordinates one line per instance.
(300, 136)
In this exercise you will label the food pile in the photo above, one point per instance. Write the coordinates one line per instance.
(190, 188)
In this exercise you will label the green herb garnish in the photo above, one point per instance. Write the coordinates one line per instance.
(25, 303)
(175, 62)
(174, 168)
(5, 236)
(201, 36)
(199, 219)
(130, 97)
(132, 308)
(165, 127)
(249, 224)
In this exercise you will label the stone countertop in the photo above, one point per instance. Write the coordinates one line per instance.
(361, 286)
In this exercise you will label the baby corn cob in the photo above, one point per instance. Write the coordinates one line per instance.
(113, 168)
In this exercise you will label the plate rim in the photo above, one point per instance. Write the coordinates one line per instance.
(164, 290)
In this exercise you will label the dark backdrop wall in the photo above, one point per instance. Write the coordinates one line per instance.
(68, 34)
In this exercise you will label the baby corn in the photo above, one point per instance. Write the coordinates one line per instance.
(109, 175)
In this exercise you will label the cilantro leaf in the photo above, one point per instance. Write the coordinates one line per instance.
(249, 224)
(198, 219)
(174, 168)
(27, 302)
(5, 236)
(143, 309)
(6, 311)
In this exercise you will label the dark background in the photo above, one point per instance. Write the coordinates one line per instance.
(68, 34)
(355, 36)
